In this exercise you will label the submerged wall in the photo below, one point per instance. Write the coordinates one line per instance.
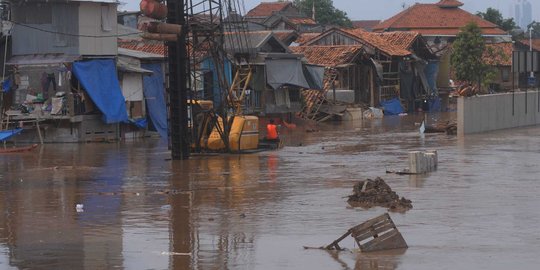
(500, 111)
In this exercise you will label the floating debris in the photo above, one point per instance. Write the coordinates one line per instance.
(376, 234)
(371, 193)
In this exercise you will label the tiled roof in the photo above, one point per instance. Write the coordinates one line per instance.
(305, 21)
(449, 3)
(266, 9)
(328, 56)
(381, 42)
(365, 24)
(144, 46)
(431, 19)
(535, 43)
(501, 54)
(305, 37)
(401, 39)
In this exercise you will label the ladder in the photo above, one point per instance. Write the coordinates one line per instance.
(315, 98)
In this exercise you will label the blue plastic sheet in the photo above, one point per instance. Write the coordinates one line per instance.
(392, 106)
(6, 134)
(6, 85)
(99, 79)
(154, 93)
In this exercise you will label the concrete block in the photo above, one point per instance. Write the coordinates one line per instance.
(352, 114)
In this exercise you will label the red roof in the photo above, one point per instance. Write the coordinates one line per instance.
(329, 56)
(266, 9)
(365, 24)
(449, 3)
(388, 44)
(444, 18)
(535, 44)
(501, 54)
(401, 39)
(144, 46)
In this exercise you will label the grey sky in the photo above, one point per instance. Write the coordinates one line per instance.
(383, 9)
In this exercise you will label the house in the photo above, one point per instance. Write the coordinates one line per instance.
(266, 9)
(439, 23)
(282, 16)
(522, 46)
(65, 77)
(499, 57)
(142, 79)
(354, 73)
(394, 56)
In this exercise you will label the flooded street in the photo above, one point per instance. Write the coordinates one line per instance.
(139, 210)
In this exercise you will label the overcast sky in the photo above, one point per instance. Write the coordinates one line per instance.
(383, 9)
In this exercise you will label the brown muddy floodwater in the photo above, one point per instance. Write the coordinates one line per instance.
(480, 210)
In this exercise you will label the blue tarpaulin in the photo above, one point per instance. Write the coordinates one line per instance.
(431, 71)
(392, 106)
(99, 79)
(6, 134)
(6, 85)
(154, 93)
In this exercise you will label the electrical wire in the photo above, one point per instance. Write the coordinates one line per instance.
(69, 34)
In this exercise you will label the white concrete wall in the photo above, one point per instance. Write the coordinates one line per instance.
(501, 111)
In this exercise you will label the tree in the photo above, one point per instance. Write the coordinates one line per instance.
(535, 29)
(325, 12)
(467, 55)
(495, 16)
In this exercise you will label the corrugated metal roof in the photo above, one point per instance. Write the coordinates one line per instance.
(128, 68)
(139, 54)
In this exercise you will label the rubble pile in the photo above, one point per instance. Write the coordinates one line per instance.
(370, 193)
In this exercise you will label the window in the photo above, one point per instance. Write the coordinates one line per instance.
(505, 74)
(106, 25)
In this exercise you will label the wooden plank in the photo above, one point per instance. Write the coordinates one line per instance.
(374, 232)
(370, 222)
(392, 240)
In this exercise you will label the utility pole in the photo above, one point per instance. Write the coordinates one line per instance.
(178, 84)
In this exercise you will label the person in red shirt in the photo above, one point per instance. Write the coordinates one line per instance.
(271, 131)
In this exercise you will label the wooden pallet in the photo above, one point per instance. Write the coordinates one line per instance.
(376, 234)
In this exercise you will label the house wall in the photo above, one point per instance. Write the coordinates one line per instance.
(335, 39)
(97, 19)
(61, 26)
(132, 86)
(57, 18)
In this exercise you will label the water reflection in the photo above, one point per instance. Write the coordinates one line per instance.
(142, 211)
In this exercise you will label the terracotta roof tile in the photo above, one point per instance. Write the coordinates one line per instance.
(501, 54)
(266, 9)
(449, 3)
(381, 42)
(305, 21)
(328, 56)
(535, 43)
(401, 39)
(144, 46)
(431, 19)
(365, 24)
(305, 37)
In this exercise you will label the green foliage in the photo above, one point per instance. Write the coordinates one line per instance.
(495, 16)
(466, 58)
(535, 29)
(325, 12)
